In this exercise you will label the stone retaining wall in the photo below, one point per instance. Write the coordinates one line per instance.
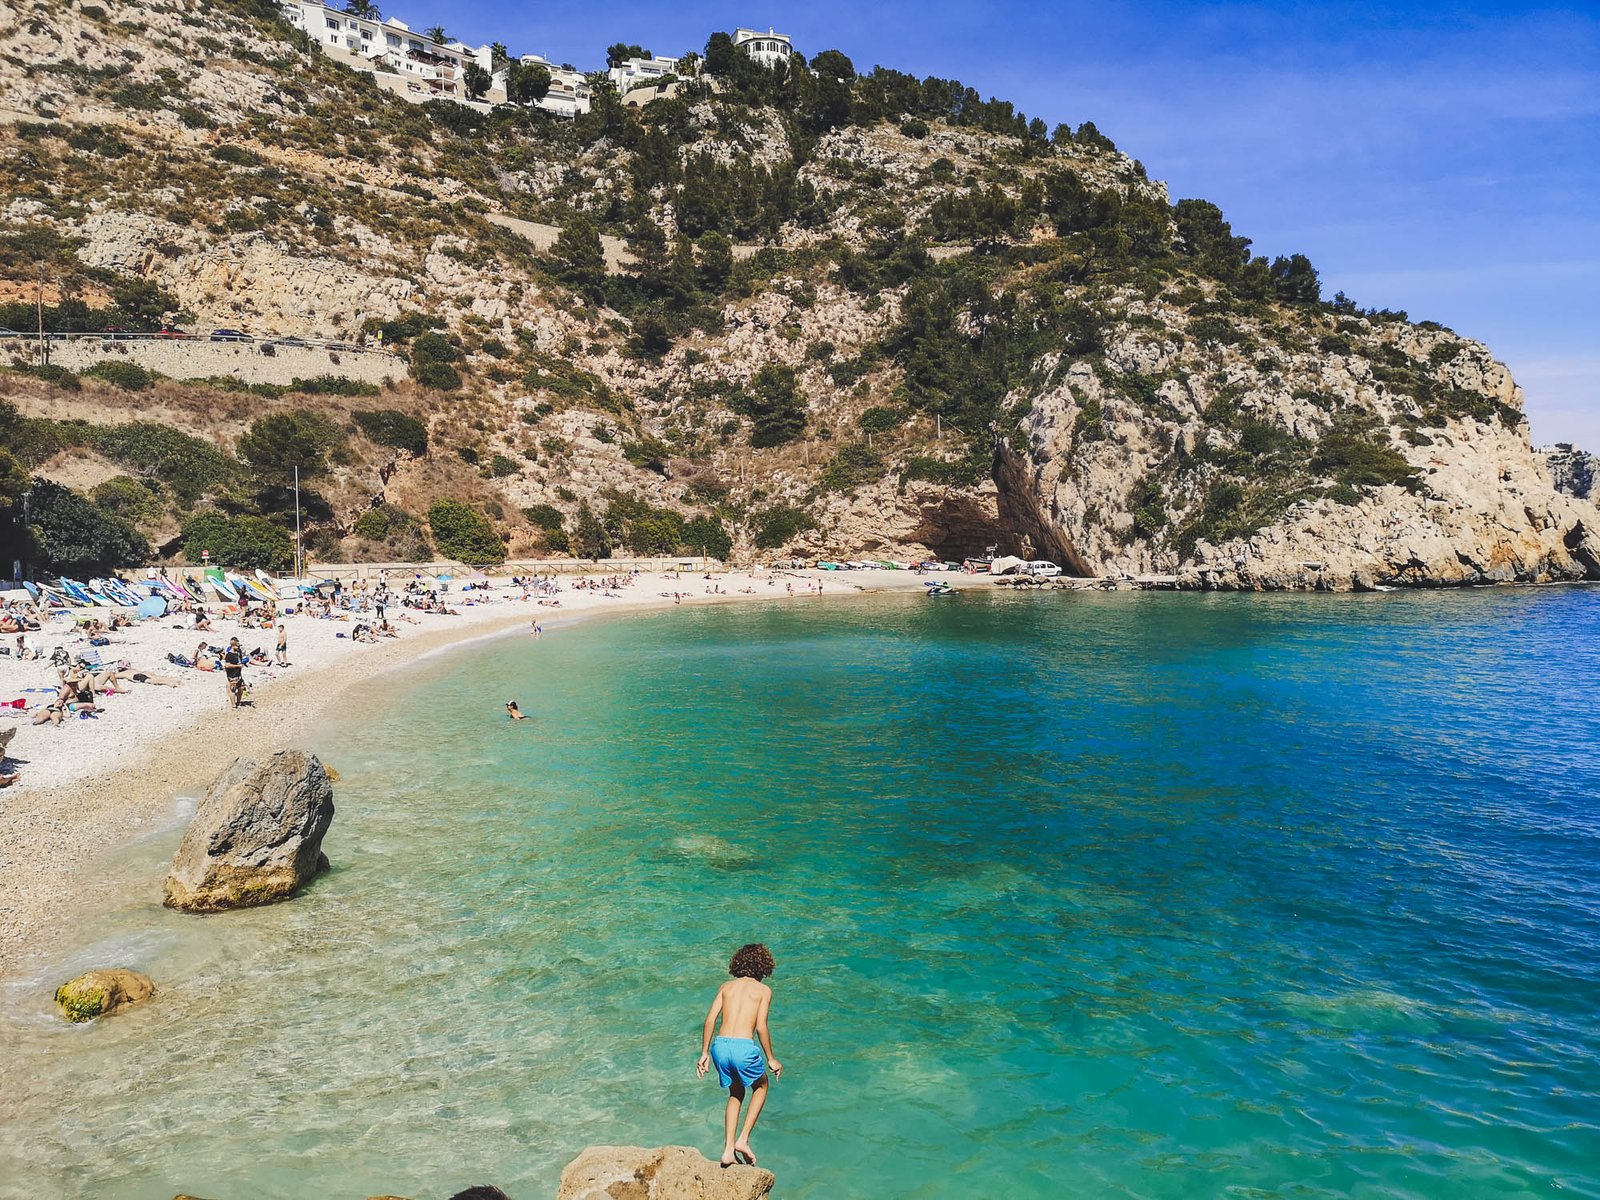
(250, 362)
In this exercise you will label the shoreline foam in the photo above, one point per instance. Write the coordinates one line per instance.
(113, 780)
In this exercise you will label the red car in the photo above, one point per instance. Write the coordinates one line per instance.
(174, 334)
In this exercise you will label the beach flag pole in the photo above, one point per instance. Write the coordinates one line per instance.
(298, 560)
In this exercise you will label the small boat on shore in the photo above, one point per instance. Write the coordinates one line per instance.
(939, 587)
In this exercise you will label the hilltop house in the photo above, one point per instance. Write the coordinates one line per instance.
(569, 88)
(767, 48)
(424, 69)
(642, 73)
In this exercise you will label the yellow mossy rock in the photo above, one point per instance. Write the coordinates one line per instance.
(105, 990)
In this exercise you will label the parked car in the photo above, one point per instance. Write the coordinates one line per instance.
(115, 332)
(292, 341)
(173, 335)
(1042, 568)
(230, 335)
(339, 346)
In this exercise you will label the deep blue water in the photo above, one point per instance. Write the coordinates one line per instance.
(1099, 896)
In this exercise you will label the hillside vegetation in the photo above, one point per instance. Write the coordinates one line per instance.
(798, 311)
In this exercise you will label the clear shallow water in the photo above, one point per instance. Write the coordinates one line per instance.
(1143, 896)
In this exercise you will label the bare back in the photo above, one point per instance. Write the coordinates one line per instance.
(744, 1004)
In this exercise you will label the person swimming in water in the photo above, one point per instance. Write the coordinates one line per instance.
(513, 711)
(742, 1003)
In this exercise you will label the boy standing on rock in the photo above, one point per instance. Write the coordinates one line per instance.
(742, 1003)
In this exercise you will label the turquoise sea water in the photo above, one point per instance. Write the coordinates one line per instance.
(1098, 896)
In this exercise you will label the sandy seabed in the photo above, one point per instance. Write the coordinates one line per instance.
(92, 786)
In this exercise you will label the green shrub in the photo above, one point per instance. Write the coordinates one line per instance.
(589, 537)
(399, 330)
(436, 375)
(51, 373)
(880, 419)
(391, 427)
(500, 466)
(77, 537)
(435, 346)
(1362, 458)
(464, 534)
(333, 385)
(373, 524)
(773, 403)
(237, 155)
(707, 536)
(650, 453)
(129, 498)
(851, 467)
(546, 517)
(780, 524)
(188, 465)
(280, 442)
(129, 376)
(239, 543)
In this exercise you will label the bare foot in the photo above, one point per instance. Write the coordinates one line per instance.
(729, 1157)
(745, 1155)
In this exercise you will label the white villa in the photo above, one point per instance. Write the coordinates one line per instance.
(642, 72)
(569, 88)
(428, 69)
(767, 48)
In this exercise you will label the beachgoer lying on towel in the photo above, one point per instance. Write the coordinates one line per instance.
(157, 680)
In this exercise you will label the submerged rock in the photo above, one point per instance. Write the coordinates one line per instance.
(664, 1173)
(256, 837)
(101, 991)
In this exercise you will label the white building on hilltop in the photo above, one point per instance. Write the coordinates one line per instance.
(569, 88)
(429, 70)
(768, 49)
(642, 72)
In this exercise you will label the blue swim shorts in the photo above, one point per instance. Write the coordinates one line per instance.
(738, 1058)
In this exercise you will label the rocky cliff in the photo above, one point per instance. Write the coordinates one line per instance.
(806, 312)
(1573, 471)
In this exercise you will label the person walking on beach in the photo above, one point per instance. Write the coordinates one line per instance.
(233, 668)
(283, 646)
(742, 1003)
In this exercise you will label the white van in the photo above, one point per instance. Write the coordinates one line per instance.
(1042, 568)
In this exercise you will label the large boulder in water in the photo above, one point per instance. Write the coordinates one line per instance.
(256, 837)
(665, 1173)
(101, 991)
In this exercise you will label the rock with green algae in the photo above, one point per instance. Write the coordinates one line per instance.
(664, 1173)
(105, 990)
(256, 837)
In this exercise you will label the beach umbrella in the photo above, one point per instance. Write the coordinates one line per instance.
(155, 606)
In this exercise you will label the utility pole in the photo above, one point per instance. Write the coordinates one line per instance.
(44, 346)
(298, 561)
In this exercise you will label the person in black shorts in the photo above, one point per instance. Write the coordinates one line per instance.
(233, 668)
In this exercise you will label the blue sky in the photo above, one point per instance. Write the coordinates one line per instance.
(1440, 158)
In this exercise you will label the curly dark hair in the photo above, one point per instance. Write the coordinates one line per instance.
(754, 961)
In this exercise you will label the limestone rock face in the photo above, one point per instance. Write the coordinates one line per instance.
(664, 1173)
(1573, 471)
(256, 837)
(101, 991)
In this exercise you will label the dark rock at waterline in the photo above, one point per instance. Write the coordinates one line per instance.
(105, 990)
(256, 837)
(664, 1173)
